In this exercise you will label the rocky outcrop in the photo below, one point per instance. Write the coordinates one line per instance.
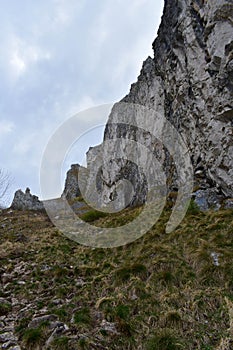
(190, 83)
(71, 189)
(26, 201)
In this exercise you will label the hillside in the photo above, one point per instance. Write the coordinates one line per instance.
(168, 140)
(164, 291)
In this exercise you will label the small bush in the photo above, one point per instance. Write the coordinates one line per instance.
(93, 215)
(82, 316)
(60, 312)
(173, 318)
(163, 340)
(193, 208)
(61, 343)
(22, 325)
(122, 311)
(33, 337)
(166, 277)
(76, 199)
(5, 308)
(123, 274)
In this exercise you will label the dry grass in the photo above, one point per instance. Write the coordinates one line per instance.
(163, 291)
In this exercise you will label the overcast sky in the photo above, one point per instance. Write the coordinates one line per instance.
(59, 57)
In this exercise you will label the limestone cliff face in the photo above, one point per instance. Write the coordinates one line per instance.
(190, 82)
(26, 201)
(71, 189)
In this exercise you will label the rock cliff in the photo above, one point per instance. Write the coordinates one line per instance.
(190, 83)
(71, 189)
(26, 201)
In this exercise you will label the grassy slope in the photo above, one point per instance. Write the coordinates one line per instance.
(162, 292)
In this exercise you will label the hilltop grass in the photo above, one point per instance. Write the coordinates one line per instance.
(163, 291)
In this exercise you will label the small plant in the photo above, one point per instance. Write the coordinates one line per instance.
(79, 199)
(166, 277)
(33, 337)
(40, 304)
(62, 291)
(82, 316)
(126, 272)
(61, 343)
(193, 208)
(5, 308)
(103, 332)
(122, 311)
(163, 340)
(173, 318)
(83, 343)
(93, 215)
(61, 313)
(22, 325)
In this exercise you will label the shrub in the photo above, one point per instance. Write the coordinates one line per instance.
(163, 340)
(122, 311)
(93, 215)
(61, 343)
(4, 308)
(32, 337)
(193, 208)
(82, 316)
(124, 273)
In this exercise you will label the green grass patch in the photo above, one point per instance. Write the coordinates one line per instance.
(5, 308)
(164, 340)
(32, 338)
(82, 316)
(93, 215)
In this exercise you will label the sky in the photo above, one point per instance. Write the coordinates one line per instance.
(60, 57)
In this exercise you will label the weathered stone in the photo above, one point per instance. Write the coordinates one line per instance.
(9, 344)
(59, 329)
(20, 237)
(215, 257)
(71, 189)
(80, 282)
(109, 327)
(208, 199)
(38, 320)
(190, 83)
(228, 204)
(26, 201)
(7, 336)
(4, 301)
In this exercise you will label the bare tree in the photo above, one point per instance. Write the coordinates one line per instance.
(5, 183)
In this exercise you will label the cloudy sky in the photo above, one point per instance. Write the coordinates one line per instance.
(59, 57)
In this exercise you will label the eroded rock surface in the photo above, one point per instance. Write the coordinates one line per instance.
(26, 201)
(190, 83)
(71, 189)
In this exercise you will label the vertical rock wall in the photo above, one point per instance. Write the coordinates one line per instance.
(190, 82)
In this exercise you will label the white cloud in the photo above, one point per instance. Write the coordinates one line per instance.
(60, 57)
(17, 64)
(22, 56)
(24, 144)
(66, 11)
(6, 127)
